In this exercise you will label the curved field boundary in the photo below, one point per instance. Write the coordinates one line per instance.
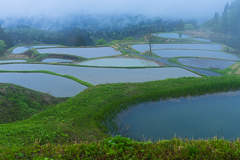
(53, 73)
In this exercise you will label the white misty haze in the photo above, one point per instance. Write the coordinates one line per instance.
(184, 9)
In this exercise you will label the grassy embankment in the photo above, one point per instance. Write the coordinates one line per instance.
(88, 116)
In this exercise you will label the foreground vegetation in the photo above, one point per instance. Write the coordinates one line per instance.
(62, 130)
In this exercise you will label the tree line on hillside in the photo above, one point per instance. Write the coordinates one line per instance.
(228, 22)
(5, 41)
(65, 37)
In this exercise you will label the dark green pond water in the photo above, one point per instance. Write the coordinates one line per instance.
(54, 85)
(194, 117)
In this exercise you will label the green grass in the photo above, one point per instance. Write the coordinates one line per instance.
(18, 103)
(89, 115)
(125, 148)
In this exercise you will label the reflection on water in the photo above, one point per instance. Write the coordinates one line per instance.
(56, 60)
(97, 76)
(172, 35)
(13, 61)
(83, 52)
(119, 62)
(23, 49)
(206, 63)
(195, 53)
(54, 85)
(192, 117)
(145, 47)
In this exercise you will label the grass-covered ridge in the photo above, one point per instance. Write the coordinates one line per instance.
(82, 117)
(18, 103)
(53, 73)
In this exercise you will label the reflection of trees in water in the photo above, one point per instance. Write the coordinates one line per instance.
(180, 35)
(147, 62)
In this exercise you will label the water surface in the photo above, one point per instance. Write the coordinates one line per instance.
(13, 61)
(206, 63)
(54, 85)
(199, 117)
(83, 52)
(195, 53)
(200, 39)
(23, 49)
(145, 47)
(56, 60)
(97, 76)
(119, 62)
(172, 35)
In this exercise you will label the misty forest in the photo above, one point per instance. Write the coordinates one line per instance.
(120, 86)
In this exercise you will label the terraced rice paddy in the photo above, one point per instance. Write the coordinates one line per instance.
(97, 76)
(206, 63)
(23, 49)
(83, 52)
(145, 47)
(119, 62)
(54, 85)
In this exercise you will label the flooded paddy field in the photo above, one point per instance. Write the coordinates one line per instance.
(54, 85)
(97, 76)
(13, 61)
(171, 35)
(192, 117)
(195, 53)
(145, 47)
(23, 49)
(56, 60)
(200, 39)
(83, 52)
(119, 62)
(206, 63)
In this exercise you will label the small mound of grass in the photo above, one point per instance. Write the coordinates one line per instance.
(18, 103)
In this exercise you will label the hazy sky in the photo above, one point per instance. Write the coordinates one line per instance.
(162, 8)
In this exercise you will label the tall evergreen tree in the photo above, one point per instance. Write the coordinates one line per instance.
(79, 41)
